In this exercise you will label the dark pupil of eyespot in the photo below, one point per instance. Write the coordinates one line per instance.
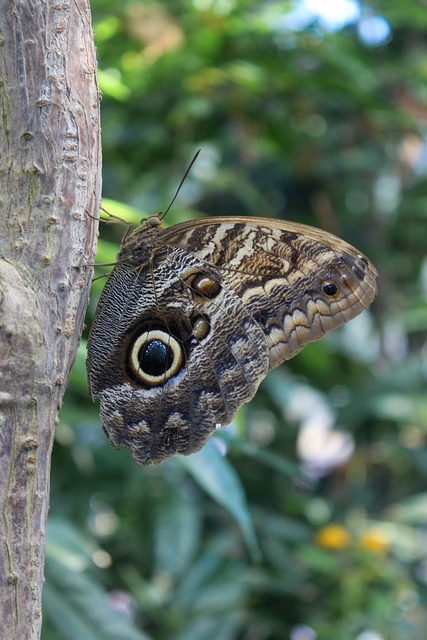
(155, 358)
(330, 288)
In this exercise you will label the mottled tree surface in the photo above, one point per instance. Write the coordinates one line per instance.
(49, 180)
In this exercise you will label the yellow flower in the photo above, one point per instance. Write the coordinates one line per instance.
(333, 536)
(375, 541)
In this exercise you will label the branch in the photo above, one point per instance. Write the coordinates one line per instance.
(50, 177)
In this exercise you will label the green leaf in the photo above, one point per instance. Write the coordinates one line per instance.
(75, 604)
(214, 473)
(111, 85)
(79, 608)
(177, 529)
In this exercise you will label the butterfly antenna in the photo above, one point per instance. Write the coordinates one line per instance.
(114, 219)
(190, 166)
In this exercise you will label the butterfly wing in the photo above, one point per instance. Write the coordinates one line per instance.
(200, 324)
(298, 282)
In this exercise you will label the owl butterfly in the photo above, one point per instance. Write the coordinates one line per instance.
(193, 317)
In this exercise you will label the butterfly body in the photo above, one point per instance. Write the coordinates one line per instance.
(193, 317)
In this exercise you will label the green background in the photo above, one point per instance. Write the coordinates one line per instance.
(313, 525)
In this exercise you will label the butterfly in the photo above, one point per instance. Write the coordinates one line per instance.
(194, 316)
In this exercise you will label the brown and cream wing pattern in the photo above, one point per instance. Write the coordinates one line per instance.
(201, 312)
(298, 281)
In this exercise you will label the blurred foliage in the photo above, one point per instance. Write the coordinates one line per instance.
(313, 523)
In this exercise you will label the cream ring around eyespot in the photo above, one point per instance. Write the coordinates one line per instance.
(172, 348)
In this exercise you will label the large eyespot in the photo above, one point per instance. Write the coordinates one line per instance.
(329, 288)
(154, 357)
(205, 286)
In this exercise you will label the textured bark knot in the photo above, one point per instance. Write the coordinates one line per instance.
(30, 443)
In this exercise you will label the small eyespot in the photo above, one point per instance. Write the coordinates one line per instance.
(329, 288)
(201, 328)
(154, 357)
(205, 286)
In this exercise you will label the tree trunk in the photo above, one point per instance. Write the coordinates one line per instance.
(49, 181)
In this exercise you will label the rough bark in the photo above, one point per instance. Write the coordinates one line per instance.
(49, 181)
